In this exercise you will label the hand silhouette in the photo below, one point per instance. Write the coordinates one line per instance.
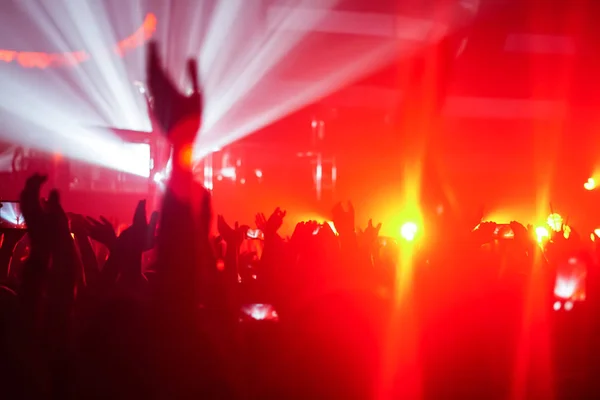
(272, 225)
(303, 232)
(232, 236)
(371, 233)
(78, 223)
(178, 115)
(521, 233)
(484, 232)
(47, 222)
(31, 207)
(101, 231)
(151, 230)
(140, 235)
(343, 219)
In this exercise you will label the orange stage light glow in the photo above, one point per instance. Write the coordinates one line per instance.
(41, 60)
(590, 184)
(185, 156)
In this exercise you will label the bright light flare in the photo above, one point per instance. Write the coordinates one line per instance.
(408, 231)
(332, 226)
(555, 222)
(541, 234)
(566, 231)
(565, 287)
(259, 62)
(41, 60)
(570, 282)
(261, 312)
(590, 184)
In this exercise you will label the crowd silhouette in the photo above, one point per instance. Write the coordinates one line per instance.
(165, 310)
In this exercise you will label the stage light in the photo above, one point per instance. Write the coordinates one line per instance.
(409, 231)
(568, 305)
(141, 86)
(332, 226)
(244, 49)
(11, 213)
(557, 305)
(228, 172)
(565, 287)
(258, 173)
(555, 222)
(541, 234)
(590, 184)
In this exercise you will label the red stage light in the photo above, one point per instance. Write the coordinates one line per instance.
(42, 60)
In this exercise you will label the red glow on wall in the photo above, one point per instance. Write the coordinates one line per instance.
(42, 60)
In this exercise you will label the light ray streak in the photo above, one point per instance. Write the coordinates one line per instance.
(241, 44)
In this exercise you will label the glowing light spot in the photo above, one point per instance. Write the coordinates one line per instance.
(228, 172)
(185, 157)
(408, 231)
(572, 260)
(565, 288)
(40, 60)
(556, 305)
(541, 233)
(568, 306)
(555, 222)
(508, 234)
(590, 184)
(332, 226)
(258, 173)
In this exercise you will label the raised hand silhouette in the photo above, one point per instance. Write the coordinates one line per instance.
(232, 236)
(151, 230)
(139, 236)
(79, 229)
(343, 219)
(178, 115)
(371, 233)
(47, 223)
(126, 249)
(303, 232)
(78, 224)
(521, 232)
(485, 229)
(101, 231)
(270, 226)
(35, 217)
